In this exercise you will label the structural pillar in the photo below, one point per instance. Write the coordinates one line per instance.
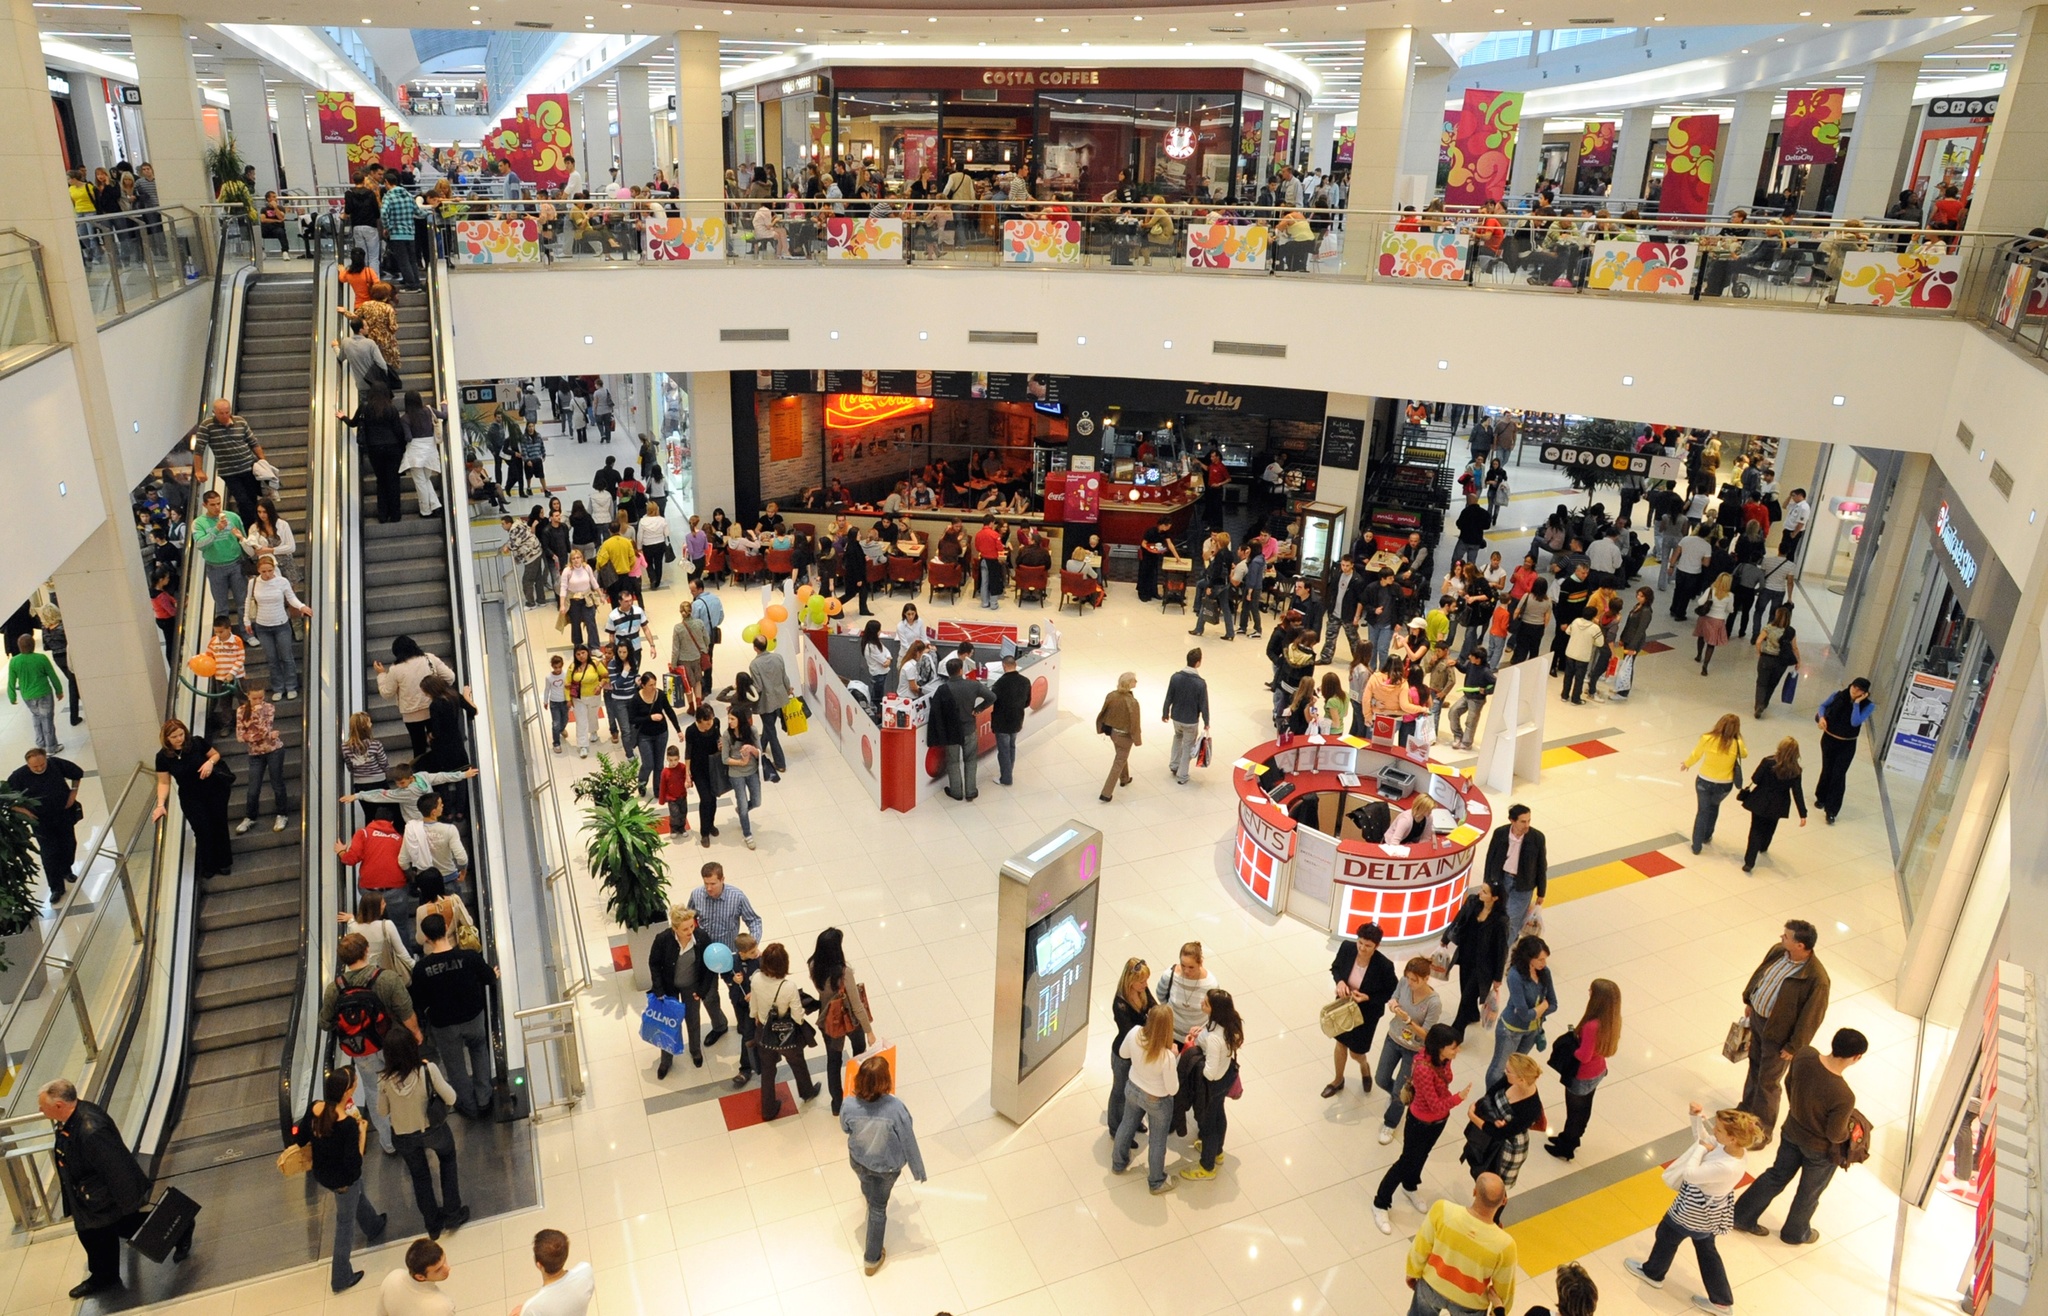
(711, 445)
(579, 137)
(249, 107)
(116, 652)
(1423, 140)
(1632, 155)
(700, 119)
(1382, 114)
(636, 127)
(170, 108)
(2010, 194)
(596, 156)
(295, 137)
(89, 113)
(1741, 159)
(1524, 172)
(1322, 131)
(1876, 138)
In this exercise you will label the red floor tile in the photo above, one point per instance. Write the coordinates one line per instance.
(1656, 646)
(742, 1110)
(1653, 863)
(1592, 749)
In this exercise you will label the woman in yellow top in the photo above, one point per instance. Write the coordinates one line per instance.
(81, 192)
(617, 552)
(1719, 755)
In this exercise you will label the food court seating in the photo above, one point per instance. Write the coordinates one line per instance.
(1081, 588)
(878, 572)
(905, 571)
(747, 566)
(949, 576)
(714, 564)
(781, 563)
(1031, 583)
(1173, 590)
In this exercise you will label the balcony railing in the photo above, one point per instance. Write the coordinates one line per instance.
(1848, 265)
(27, 329)
(136, 259)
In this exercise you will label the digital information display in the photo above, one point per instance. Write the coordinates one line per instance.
(1059, 958)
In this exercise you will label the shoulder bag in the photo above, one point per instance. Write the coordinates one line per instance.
(1564, 1057)
(786, 1030)
(839, 1018)
(1341, 1016)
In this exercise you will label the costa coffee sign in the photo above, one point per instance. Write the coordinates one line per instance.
(1406, 872)
(1041, 77)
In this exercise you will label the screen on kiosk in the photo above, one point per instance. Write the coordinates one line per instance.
(1059, 957)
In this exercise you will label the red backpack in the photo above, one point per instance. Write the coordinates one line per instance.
(360, 1019)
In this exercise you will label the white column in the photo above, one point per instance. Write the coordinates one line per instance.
(1876, 138)
(89, 113)
(700, 119)
(1742, 151)
(116, 650)
(636, 127)
(1632, 154)
(295, 135)
(1322, 132)
(1423, 140)
(250, 109)
(2011, 191)
(170, 108)
(1382, 114)
(579, 139)
(1528, 157)
(596, 156)
(711, 460)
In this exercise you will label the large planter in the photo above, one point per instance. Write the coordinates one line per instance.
(20, 952)
(640, 942)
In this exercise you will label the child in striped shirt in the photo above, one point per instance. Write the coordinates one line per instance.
(407, 789)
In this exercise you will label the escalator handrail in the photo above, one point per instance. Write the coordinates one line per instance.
(492, 915)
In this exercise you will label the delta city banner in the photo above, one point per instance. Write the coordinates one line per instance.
(1813, 127)
(547, 115)
(366, 139)
(337, 111)
(1690, 150)
(1482, 148)
(1596, 146)
(390, 153)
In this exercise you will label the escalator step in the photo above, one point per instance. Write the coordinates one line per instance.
(255, 941)
(241, 1024)
(222, 910)
(234, 1061)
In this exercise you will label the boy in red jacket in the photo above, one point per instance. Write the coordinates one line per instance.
(673, 790)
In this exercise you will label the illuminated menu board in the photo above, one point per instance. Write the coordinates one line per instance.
(1059, 955)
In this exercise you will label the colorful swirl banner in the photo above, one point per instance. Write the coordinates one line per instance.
(547, 117)
(1663, 268)
(337, 114)
(1813, 127)
(1435, 256)
(851, 237)
(1228, 246)
(1041, 241)
(1483, 148)
(1690, 150)
(686, 239)
(1596, 146)
(496, 242)
(1922, 279)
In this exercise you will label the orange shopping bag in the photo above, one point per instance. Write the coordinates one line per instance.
(853, 1063)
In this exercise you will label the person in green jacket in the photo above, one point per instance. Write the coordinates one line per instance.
(31, 676)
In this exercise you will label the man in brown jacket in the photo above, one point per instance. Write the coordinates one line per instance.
(1783, 1004)
(1121, 721)
(1818, 1126)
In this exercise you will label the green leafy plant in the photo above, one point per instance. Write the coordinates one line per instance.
(625, 850)
(614, 780)
(224, 162)
(20, 864)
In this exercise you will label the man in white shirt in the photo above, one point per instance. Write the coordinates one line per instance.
(1691, 559)
(1605, 558)
(574, 187)
(415, 1290)
(432, 844)
(1798, 514)
(565, 1290)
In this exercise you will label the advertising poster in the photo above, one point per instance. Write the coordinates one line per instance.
(1345, 137)
(1665, 268)
(1921, 714)
(366, 144)
(1483, 148)
(1923, 278)
(548, 115)
(1689, 155)
(337, 111)
(1813, 127)
(1596, 146)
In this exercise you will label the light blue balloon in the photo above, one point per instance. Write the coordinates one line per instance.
(718, 957)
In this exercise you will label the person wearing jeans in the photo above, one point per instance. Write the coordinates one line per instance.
(652, 719)
(451, 988)
(1012, 694)
(880, 1141)
(1598, 1036)
(1719, 754)
(1148, 1095)
(32, 679)
(773, 1002)
(1820, 1104)
(743, 768)
(772, 692)
(1187, 708)
(269, 608)
(256, 728)
(1429, 1110)
(1415, 1009)
(338, 1139)
(1706, 1175)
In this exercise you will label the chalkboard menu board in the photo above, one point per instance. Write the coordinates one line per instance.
(1343, 441)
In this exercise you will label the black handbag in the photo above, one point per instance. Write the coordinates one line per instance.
(1564, 1057)
(169, 1222)
(788, 1030)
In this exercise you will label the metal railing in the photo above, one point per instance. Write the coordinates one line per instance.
(136, 259)
(1849, 264)
(28, 326)
(551, 1033)
(2011, 299)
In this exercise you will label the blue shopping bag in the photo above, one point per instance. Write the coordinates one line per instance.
(1791, 690)
(662, 1024)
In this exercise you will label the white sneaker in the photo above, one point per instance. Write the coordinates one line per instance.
(1379, 1219)
(1166, 1186)
(585, 752)
(1635, 1267)
(1415, 1200)
(750, 842)
(1386, 1135)
(278, 825)
(244, 825)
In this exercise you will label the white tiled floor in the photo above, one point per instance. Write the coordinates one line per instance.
(680, 1216)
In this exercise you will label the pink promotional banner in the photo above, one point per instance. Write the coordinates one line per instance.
(1690, 152)
(1813, 127)
(1482, 148)
(1596, 146)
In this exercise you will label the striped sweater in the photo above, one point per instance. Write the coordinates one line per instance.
(1706, 1181)
(1463, 1257)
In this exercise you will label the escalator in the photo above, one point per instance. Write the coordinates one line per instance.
(249, 931)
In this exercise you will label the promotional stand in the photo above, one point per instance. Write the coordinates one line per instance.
(1510, 740)
(1045, 958)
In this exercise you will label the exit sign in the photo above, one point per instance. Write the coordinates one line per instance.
(1996, 66)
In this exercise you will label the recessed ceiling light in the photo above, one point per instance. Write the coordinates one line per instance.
(697, 27)
(1443, 365)
(1066, 29)
(799, 29)
(1658, 19)
(1082, 339)
(1139, 18)
(922, 335)
(1840, 400)
(588, 340)
(1500, 11)
(835, 333)
(931, 20)
(1169, 342)
(1745, 51)
(478, 22)
(1173, 29)
(366, 21)
(1781, 41)
(1283, 29)
(474, 8)
(1827, 24)
(1628, 381)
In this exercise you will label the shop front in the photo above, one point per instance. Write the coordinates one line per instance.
(1077, 133)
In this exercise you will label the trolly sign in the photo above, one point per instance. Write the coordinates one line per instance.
(1602, 463)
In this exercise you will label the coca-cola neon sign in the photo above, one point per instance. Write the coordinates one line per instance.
(847, 411)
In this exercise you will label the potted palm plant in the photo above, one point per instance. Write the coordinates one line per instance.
(625, 850)
(20, 937)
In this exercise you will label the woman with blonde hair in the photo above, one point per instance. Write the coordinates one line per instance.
(1774, 788)
(1124, 724)
(1710, 631)
(1719, 754)
(1148, 1095)
(1584, 1051)
(1706, 1176)
(1128, 1008)
(369, 767)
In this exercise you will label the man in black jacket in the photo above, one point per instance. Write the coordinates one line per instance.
(1347, 602)
(676, 965)
(105, 1188)
(953, 726)
(1518, 868)
(451, 991)
(1012, 692)
(51, 785)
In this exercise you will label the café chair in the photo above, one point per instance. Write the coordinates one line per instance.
(878, 574)
(1173, 590)
(1031, 583)
(714, 565)
(951, 577)
(905, 571)
(781, 563)
(1081, 588)
(746, 567)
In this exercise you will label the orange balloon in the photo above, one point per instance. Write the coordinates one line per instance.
(832, 606)
(803, 593)
(767, 628)
(203, 664)
(776, 612)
